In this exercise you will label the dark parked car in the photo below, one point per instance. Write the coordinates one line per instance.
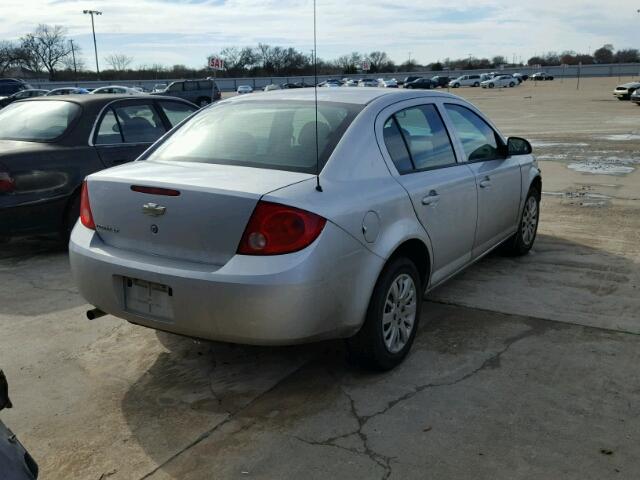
(541, 76)
(422, 83)
(15, 461)
(21, 95)
(439, 81)
(624, 91)
(410, 79)
(200, 92)
(9, 86)
(635, 97)
(48, 145)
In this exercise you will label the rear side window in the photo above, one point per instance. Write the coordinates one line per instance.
(175, 87)
(264, 134)
(206, 85)
(139, 123)
(109, 130)
(479, 140)
(190, 86)
(176, 112)
(396, 147)
(425, 137)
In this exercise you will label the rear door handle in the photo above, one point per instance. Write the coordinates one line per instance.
(431, 199)
(485, 183)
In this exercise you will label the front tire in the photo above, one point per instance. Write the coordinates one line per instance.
(477, 84)
(522, 241)
(203, 102)
(456, 85)
(491, 85)
(392, 318)
(511, 85)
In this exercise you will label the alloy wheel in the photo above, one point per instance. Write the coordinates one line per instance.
(529, 220)
(399, 314)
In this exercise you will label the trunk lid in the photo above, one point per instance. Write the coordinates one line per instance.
(204, 223)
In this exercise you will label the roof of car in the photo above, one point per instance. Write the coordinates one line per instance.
(99, 98)
(361, 96)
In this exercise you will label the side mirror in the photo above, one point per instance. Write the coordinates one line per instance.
(518, 146)
(4, 392)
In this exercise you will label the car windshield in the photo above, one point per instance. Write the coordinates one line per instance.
(277, 135)
(36, 121)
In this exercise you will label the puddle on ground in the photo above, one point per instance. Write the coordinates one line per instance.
(600, 168)
(621, 137)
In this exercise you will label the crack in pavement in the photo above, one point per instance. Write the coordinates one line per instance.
(35, 286)
(230, 417)
(384, 461)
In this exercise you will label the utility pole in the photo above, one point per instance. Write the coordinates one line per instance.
(93, 29)
(73, 54)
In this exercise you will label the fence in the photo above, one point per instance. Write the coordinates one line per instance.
(231, 84)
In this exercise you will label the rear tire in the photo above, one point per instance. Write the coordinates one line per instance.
(521, 242)
(477, 84)
(392, 318)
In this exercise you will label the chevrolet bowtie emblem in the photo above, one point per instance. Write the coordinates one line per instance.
(153, 209)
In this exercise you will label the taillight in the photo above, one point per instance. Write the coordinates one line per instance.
(7, 183)
(275, 229)
(86, 217)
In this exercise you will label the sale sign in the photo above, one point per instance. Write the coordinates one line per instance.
(216, 63)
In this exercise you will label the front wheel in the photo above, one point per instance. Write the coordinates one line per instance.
(522, 241)
(491, 85)
(477, 84)
(456, 85)
(392, 318)
(511, 84)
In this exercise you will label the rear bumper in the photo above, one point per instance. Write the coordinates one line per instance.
(320, 292)
(31, 218)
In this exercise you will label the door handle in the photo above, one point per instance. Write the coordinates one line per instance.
(485, 183)
(431, 199)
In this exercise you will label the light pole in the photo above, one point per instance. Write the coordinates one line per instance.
(93, 29)
(73, 53)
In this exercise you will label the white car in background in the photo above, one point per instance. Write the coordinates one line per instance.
(368, 82)
(388, 83)
(117, 90)
(500, 81)
(244, 89)
(466, 81)
(350, 83)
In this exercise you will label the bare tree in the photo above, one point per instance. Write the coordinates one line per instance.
(11, 55)
(46, 48)
(119, 61)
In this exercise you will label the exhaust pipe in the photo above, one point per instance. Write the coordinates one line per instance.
(95, 313)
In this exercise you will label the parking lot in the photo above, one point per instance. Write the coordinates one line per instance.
(522, 368)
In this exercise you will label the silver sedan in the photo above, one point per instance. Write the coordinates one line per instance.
(222, 230)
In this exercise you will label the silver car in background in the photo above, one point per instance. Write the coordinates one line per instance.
(223, 231)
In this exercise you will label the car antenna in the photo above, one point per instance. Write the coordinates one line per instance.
(315, 93)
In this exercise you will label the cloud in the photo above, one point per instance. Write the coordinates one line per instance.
(186, 31)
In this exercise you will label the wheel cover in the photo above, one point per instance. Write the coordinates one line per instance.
(529, 221)
(399, 313)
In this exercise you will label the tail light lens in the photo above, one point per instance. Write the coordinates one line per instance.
(7, 183)
(86, 217)
(275, 229)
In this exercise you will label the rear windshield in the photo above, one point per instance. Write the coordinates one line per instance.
(278, 135)
(37, 121)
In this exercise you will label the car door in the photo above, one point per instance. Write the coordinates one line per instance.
(442, 191)
(497, 176)
(125, 129)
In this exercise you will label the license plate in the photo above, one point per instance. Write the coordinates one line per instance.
(148, 298)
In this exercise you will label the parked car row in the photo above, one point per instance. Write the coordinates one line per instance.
(255, 171)
(628, 91)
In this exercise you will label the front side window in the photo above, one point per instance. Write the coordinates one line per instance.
(425, 137)
(175, 87)
(190, 86)
(37, 121)
(139, 123)
(478, 139)
(264, 134)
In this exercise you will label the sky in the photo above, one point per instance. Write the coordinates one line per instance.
(185, 32)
